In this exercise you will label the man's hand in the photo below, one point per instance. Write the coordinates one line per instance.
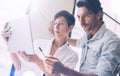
(53, 65)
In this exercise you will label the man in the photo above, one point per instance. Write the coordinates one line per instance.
(100, 46)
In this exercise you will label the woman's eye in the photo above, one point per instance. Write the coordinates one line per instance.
(54, 23)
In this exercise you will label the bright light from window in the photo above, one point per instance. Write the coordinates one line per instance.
(115, 6)
(11, 9)
(28, 73)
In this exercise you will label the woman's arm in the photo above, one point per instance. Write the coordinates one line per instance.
(16, 61)
(38, 61)
(5, 33)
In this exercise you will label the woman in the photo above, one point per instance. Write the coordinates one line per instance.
(58, 47)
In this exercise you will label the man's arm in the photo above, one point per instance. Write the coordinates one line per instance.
(109, 58)
(72, 41)
(70, 72)
(54, 66)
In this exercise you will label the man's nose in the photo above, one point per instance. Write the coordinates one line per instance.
(82, 21)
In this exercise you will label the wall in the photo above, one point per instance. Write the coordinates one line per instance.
(43, 11)
(112, 9)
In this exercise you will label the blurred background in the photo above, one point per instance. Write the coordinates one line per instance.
(40, 13)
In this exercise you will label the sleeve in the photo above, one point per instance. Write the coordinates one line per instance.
(109, 59)
(81, 42)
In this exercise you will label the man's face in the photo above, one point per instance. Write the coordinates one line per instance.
(87, 19)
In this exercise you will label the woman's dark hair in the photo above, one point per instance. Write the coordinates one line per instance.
(68, 16)
(92, 5)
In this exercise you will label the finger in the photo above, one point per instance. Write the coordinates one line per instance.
(7, 29)
(6, 34)
(29, 58)
(5, 26)
(50, 62)
(23, 55)
(26, 57)
(51, 59)
(48, 68)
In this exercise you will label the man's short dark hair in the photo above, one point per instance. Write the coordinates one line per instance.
(92, 5)
(68, 16)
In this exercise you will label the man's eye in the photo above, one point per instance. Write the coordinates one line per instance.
(61, 23)
(87, 15)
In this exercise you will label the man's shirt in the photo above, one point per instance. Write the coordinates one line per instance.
(101, 53)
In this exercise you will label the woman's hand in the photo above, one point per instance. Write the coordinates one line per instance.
(28, 57)
(6, 33)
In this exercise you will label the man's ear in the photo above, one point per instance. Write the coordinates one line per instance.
(99, 15)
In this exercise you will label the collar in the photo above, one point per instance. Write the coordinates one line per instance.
(99, 34)
(63, 46)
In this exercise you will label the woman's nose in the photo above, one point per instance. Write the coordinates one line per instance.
(57, 25)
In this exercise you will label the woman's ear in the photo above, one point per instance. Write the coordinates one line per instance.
(70, 28)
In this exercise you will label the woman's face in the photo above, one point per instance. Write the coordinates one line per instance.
(61, 29)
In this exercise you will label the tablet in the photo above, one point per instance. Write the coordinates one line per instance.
(21, 38)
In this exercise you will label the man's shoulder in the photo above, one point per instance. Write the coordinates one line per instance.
(110, 38)
(111, 35)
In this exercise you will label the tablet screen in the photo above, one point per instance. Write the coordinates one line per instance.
(21, 38)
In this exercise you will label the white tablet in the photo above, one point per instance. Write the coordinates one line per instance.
(21, 38)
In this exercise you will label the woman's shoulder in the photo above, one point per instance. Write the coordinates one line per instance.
(71, 51)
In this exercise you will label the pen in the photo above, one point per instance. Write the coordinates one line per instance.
(41, 51)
